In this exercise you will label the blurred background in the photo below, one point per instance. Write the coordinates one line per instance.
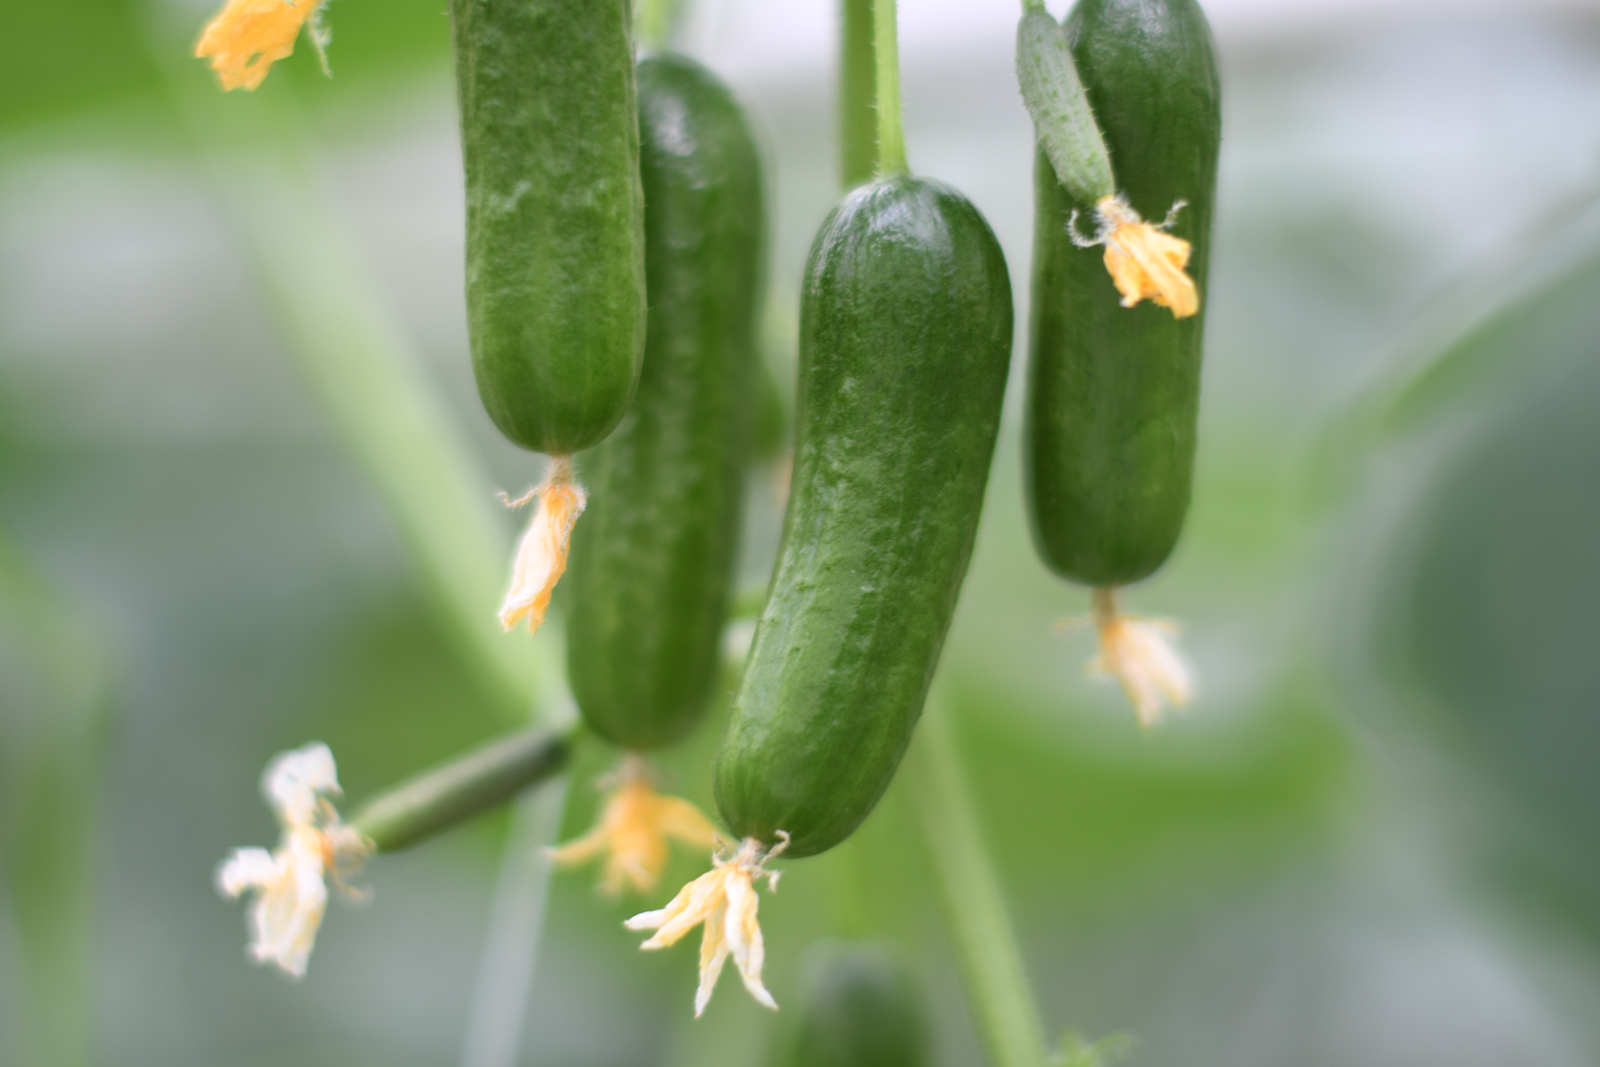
(1374, 841)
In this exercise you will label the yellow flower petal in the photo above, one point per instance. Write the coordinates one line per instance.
(632, 833)
(542, 554)
(247, 36)
(723, 899)
(1143, 261)
(1139, 654)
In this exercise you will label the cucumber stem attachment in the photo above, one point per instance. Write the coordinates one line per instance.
(634, 827)
(891, 132)
(541, 556)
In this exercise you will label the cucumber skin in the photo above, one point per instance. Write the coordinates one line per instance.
(905, 337)
(1113, 392)
(555, 239)
(652, 560)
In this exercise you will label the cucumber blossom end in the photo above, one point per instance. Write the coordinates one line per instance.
(246, 37)
(1144, 261)
(1138, 652)
(633, 830)
(724, 899)
(541, 556)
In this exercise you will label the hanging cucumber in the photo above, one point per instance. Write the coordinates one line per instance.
(555, 264)
(653, 559)
(1113, 390)
(905, 334)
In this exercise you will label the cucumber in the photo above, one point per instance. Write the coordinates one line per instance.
(1113, 392)
(905, 336)
(652, 561)
(861, 1010)
(555, 238)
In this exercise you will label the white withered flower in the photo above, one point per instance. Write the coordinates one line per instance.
(724, 899)
(290, 883)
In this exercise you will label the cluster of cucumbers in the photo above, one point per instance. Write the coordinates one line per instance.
(615, 251)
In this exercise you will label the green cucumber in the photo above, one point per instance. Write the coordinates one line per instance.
(555, 239)
(1113, 392)
(905, 336)
(861, 1010)
(652, 560)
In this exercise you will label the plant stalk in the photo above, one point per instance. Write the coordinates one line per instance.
(998, 992)
(463, 788)
(891, 133)
(858, 94)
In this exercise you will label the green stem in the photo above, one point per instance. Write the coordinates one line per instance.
(1032, 5)
(858, 94)
(998, 993)
(463, 788)
(891, 135)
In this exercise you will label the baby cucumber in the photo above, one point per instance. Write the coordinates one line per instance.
(652, 559)
(555, 238)
(861, 1010)
(1113, 392)
(905, 335)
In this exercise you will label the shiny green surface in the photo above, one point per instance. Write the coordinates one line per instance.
(555, 264)
(653, 557)
(1113, 392)
(905, 337)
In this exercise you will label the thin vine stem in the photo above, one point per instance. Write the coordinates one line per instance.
(858, 94)
(998, 993)
(891, 133)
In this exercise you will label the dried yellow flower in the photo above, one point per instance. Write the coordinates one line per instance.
(1143, 260)
(724, 899)
(633, 830)
(1138, 653)
(247, 36)
(542, 555)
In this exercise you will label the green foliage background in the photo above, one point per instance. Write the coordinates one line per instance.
(1376, 840)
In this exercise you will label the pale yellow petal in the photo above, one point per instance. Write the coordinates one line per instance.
(542, 554)
(745, 940)
(713, 953)
(684, 822)
(247, 36)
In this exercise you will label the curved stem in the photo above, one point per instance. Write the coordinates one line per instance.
(891, 135)
(998, 993)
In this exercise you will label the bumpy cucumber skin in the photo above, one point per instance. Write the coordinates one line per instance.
(1113, 392)
(555, 238)
(652, 559)
(905, 336)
